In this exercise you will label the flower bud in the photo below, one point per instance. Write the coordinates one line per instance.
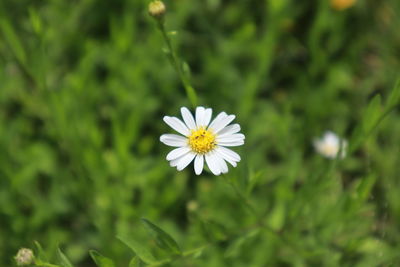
(192, 206)
(157, 9)
(24, 257)
(342, 4)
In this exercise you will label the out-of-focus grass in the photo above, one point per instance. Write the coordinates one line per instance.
(84, 86)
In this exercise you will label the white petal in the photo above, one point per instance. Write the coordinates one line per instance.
(233, 163)
(185, 160)
(174, 163)
(217, 119)
(331, 138)
(228, 153)
(231, 137)
(207, 117)
(198, 164)
(199, 116)
(233, 143)
(173, 140)
(231, 129)
(178, 152)
(221, 163)
(326, 149)
(212, 164)
(177, 125)
(219, 125)
(188, 118)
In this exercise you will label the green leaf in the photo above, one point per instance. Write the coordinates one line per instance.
(372, 114)
(100, 260)
(213, 231)
(277, 216)
(254, 178)
(394, 97)
(166, 51)
(63, 259)
(235, 247)
(13, 41)
(370, 121)
(365, 187)
(40, 263)
(172, 33)
(41, 255)
(35, 20)
(139, 250)
(186, 69)
(135, 262)
(41, 258)
(163, 239)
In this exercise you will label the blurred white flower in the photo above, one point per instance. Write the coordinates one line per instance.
(24, 257)
(202, 141)
(330, 145)
(157, 9)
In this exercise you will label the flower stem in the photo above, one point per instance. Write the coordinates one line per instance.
(176, 63)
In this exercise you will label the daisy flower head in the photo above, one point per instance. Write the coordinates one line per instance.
(329, 145)
(203, 141)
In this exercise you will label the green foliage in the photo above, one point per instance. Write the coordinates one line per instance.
(163, 239)
(394, 97)
(135, 262)
(64, 261)
(100, 260)
(373, 115)
(13, 40)
(83, 89)
(140, 251)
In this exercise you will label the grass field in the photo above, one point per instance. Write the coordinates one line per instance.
(84, 87)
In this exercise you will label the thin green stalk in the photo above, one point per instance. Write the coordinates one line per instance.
(195, 250)
(176, 63)
(183, 255)
(40, 263)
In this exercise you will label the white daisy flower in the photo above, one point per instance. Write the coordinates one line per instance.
(330, 145)
(202, 141)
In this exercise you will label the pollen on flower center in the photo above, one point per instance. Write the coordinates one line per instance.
(202, 141)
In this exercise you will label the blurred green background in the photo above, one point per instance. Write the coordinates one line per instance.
(83, 89)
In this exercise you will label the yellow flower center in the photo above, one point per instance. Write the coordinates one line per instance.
(330, 150)
(202, 141)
